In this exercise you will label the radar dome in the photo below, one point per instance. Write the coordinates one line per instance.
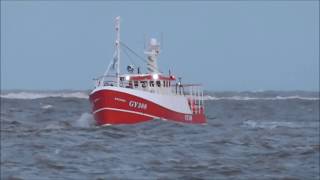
(153, 42)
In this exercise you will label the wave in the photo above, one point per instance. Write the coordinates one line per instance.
(274, 124)
(247, 98)
(85, 120)
(39, 95)
(84, 95)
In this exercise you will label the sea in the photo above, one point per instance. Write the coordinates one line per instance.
(249, 135)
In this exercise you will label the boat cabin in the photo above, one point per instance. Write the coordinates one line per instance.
(147, 82)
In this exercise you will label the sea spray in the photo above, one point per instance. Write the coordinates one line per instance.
(85, 121)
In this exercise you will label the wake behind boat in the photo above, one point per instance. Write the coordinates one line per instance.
(137, 97)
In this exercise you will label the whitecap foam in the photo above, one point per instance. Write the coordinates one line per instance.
(276, 124)
(54, 127)
(33, 95)
(268, 125)
(47, 106)
(85, 120)
(246, 98)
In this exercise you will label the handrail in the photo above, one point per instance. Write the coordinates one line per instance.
(100, 77)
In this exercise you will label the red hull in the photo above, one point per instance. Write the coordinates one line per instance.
(113, 107)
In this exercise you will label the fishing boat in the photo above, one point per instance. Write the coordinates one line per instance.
(136, 96)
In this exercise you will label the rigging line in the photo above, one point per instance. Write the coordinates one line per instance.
(132, 51)
(105, 74)
(141, 58)
(109, 66)
(125, 51)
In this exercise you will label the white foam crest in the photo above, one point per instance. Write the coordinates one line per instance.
(53, 127)
(246, 98)
(85, 120)
(268, 125)
(47, 106)
(33, 95)
(276, 124)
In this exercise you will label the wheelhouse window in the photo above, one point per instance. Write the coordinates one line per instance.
(136, 84)
(158, 83)
(144, 84)
(130, 85)
(166, 83)
(151, 83)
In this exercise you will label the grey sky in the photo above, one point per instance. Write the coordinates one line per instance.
(224, 45)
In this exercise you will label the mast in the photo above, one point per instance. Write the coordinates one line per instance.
(118, 48)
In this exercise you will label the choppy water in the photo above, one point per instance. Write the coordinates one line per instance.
(250, 135)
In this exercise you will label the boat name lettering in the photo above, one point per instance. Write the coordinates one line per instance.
(119, 99)
(138, 105)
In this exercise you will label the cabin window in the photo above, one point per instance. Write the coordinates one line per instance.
(158, 83)
(136, 84)
(129, 84)
(151, 83)
(144, 84)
